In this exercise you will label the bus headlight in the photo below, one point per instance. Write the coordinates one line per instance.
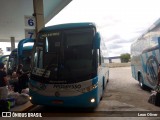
(89, 88)
(30, 98)
(93, 100)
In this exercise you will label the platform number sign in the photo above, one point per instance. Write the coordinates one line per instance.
(29, 26)
(29, 21)
(30, 33)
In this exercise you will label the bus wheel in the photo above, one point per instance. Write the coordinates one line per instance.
(141, 82)
(103, 87)
(108, 78)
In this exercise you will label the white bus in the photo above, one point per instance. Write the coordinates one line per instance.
(145, 58)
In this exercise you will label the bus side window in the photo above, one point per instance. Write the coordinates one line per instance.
(154, 41)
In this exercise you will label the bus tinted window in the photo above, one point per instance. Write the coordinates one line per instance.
(79, 39)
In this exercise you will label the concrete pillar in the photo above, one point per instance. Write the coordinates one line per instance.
(12, 43)
(39, 14)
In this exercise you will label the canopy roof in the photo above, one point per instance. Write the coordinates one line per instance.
(13, 12)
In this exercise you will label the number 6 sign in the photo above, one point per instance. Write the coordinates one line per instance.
(29, 21)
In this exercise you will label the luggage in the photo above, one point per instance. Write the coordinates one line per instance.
(157, 100)
(22, 99)
(152, 97)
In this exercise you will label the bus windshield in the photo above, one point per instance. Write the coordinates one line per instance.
(25, 60)
(68, 55)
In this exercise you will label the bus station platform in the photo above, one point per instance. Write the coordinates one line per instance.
(22, 108)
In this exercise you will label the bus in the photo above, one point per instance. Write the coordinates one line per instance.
(4, 59)
(20, 55)
(67, 68)
(145, 59)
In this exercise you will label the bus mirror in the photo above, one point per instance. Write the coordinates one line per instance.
(159, 41)
(21, 43)
(97, 38)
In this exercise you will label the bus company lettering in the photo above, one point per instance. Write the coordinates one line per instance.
(72, 86)
(50, 34)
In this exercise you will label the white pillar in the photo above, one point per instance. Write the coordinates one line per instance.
(12, 43)
(39, 14)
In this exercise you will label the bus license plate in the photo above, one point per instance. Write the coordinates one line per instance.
(57, 102)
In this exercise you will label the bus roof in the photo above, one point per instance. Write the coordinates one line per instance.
(68, 26)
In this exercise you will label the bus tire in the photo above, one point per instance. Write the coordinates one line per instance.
(140, 79)
(103, 83)
(103, 87)
(108, 77)
(107, 80)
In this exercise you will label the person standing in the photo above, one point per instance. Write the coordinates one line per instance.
(22, 78)
(20, 69)
(3, 82)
